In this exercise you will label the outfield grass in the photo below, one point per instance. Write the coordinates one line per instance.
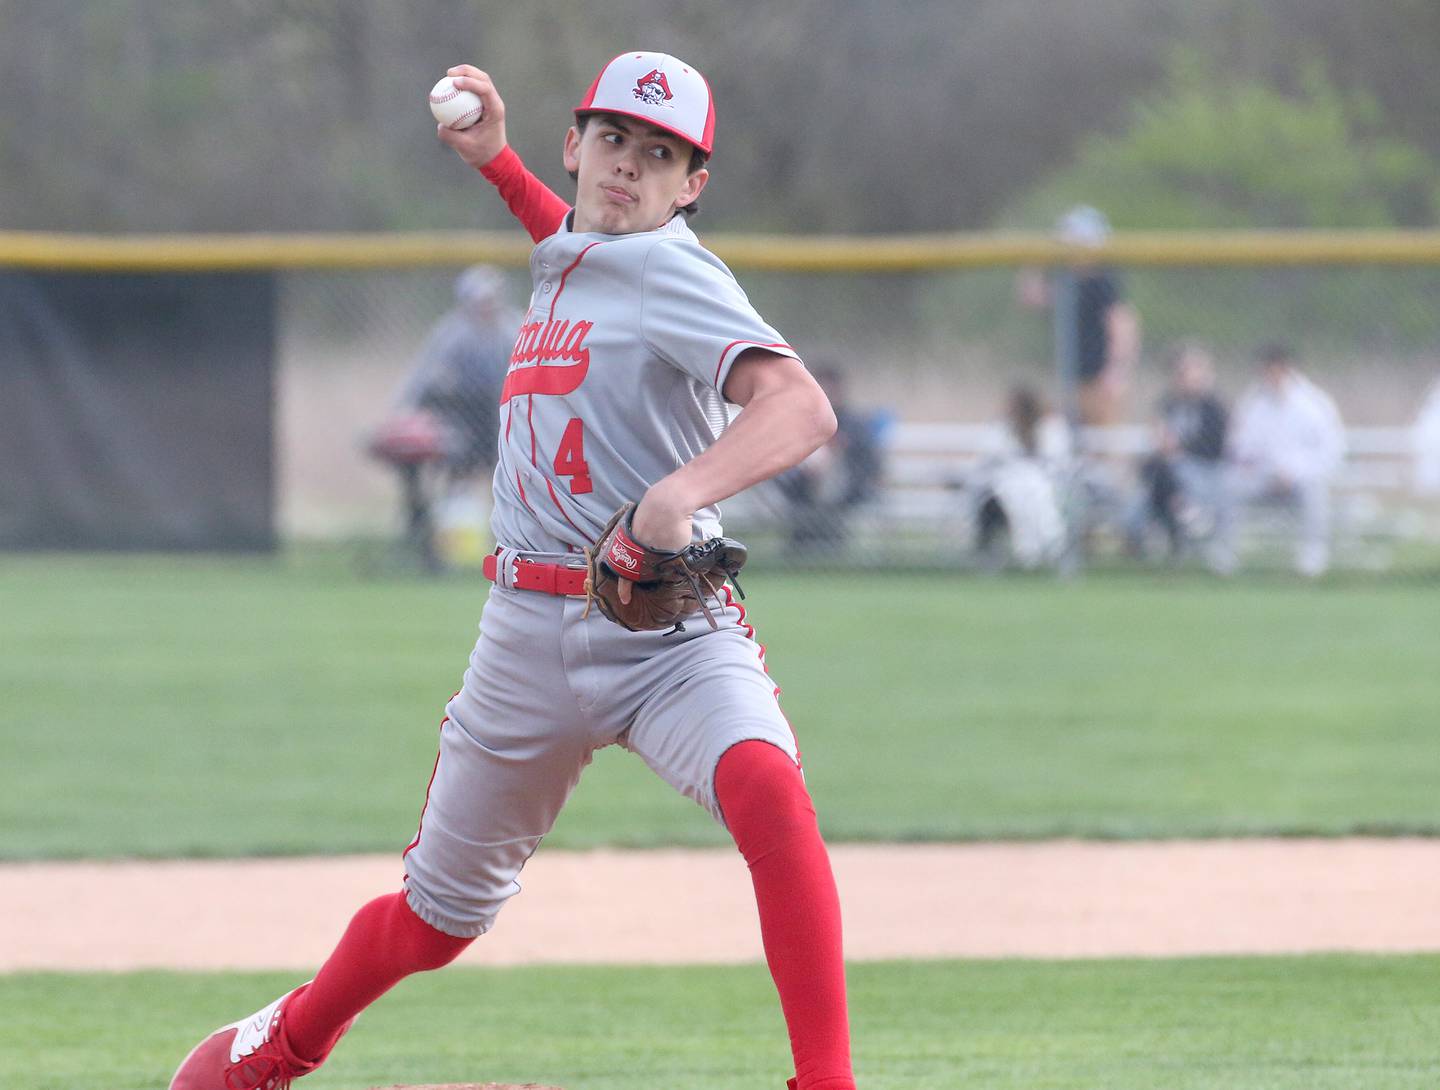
(1317, 1023)
(193, 706)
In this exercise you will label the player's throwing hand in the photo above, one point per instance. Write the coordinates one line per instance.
(485, 139)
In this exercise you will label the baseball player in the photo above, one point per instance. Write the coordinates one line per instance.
(635, 337)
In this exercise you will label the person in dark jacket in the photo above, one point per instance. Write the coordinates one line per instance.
(1182, 482)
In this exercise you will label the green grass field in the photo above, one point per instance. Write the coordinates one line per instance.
(1319, 1023)
(163, 706)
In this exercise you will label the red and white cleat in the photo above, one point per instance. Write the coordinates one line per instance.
(246, 1055)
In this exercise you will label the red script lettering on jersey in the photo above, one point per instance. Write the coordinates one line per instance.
(539, 343)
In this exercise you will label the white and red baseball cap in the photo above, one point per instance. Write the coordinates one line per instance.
(659, 89)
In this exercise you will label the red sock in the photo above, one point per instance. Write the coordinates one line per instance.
(769, 813)
(384, 944)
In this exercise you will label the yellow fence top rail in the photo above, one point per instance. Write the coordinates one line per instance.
(796, 253)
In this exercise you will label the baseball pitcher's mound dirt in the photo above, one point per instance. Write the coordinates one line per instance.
(476, 1086)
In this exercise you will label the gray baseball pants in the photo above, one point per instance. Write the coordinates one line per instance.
(546, 687)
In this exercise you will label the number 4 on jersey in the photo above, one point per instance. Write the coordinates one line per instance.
(570, 458)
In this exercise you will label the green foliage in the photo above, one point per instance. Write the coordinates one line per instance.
(1208, 151)
(188, 706)
(1313, 1023)
(307, 114)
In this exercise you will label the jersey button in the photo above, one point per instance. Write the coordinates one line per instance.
(545, 287)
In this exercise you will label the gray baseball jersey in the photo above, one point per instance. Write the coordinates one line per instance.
(614, 383)
(615, 380)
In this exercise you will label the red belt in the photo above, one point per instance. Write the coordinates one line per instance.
(535, 575)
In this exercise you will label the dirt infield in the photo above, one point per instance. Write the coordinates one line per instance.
(475, 1086)
(1052, 899)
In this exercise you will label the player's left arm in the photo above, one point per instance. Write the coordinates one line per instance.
(786, 417)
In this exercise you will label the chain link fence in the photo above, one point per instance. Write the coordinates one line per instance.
(963, 443)
(960, 444)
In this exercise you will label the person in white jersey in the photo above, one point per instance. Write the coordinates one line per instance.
(635, 337)
(1288, 443)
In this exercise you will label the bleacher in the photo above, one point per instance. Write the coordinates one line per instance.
(933, 469)
(930, 466)
(924, 456)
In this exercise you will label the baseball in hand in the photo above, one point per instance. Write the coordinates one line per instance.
(452, 107)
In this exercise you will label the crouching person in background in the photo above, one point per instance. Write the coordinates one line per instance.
(824, 490)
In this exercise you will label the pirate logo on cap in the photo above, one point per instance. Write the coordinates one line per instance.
(653, 89)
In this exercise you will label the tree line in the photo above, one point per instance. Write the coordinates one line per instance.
(833, 115)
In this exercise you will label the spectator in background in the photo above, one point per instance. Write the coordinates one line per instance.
(1096, 331)
(1426, 443)
(1033, 430)
(1182, 483)
(1288, 442)
(441, 435)
(1016, 490)
(844, 473)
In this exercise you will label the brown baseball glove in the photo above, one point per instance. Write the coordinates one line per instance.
(665, 587)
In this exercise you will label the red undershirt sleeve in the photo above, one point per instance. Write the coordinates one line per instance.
(538, 208)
